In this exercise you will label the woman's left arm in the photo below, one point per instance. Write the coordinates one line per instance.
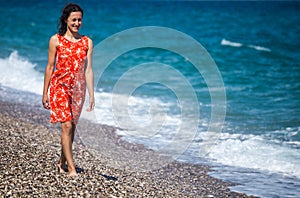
(89, 76)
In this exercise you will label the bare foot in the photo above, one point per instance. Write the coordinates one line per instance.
(62, 164)
(72, 174)
(61, 169)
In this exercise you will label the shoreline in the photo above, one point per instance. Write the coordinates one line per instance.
(28, 159)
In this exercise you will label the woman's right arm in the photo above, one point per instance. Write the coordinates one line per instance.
(49, 70)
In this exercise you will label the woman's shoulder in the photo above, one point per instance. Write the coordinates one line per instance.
(86, 37)
(89, 41)
(54, 39)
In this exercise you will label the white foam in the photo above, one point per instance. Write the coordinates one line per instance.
(19, 73)
(259, 48)
(255, 152)
(236, 44)
(147, 121)
(230, 43)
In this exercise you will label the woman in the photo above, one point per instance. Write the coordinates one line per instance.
(71, 54)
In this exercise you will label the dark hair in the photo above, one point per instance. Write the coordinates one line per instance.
(71, 7)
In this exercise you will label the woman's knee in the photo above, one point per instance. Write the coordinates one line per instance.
(67, 126)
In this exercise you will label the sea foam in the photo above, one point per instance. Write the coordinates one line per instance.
(19, 73)
(255, 152)
(237, 44)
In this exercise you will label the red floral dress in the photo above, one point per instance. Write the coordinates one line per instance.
(67, 85)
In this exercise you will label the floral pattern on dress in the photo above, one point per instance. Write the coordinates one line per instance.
(67, 85)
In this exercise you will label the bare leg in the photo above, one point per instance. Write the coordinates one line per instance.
(73, 132)
(72, 135)
(62, 162)
(66, 141)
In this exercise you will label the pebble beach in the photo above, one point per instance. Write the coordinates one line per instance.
(30, 149)
(255, 46)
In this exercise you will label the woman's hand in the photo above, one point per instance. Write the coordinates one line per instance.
(91, 104)
(45, 102)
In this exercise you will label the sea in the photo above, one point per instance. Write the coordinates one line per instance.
(222, 75)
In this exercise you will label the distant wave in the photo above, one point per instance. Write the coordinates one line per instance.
(230, 43)
(236, 44)
(259, 48)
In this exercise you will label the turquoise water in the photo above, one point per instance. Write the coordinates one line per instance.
(254, 44)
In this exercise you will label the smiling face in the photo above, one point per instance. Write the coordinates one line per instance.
(74, 22)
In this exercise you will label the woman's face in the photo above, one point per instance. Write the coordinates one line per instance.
(74, 21)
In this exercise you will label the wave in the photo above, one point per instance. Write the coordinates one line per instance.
(19, 73)
(236, 44)
(255, 152)
(230, 43)
(259, 48)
